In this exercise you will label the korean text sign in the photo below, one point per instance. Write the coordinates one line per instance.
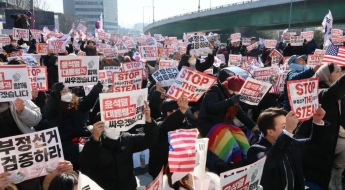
(5, 41)
(235, 59)
(253, 91)
(308, 35)
(166, 76)
(39, 78)
(31, 155)
(149, 53)
(123, 110)
(19, 33)
(167, 64)
(235, 37)
(191, 84)
(42, 48)
(14, 83)
(264, 74)
(303, 97)
(78, 70)
(270, 44)
(127, 80)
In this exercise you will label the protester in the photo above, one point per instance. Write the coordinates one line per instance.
(156, 99)
(109, 160)
(53, 72)
(254, 52)
(194, 62)
(283, 166)
(21, 20)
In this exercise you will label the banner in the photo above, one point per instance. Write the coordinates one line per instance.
(308, 35)
(167, 64)
(150, 53)
(270, 44)
(165, 76)
(253, 91)
(296, 40)
(123, 110)
(19, 33)
(85, 183)
(31, 155)
(39, 78)
(5, 41)
(303, 97)
(78, 70)
(57, 46)
(244, 178)
(235, 37)
(127, 80)
(264, 74)
(157, 184)
(14, 83)
(191, 84)
(235, 60)
(42, 48)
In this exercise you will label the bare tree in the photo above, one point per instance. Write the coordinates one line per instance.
(41, 4)
(66, 21)
(20, 4)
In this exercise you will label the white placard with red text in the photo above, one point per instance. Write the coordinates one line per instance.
(190, 83)
(270, 44)
(39, 78)
(149, 53)
(129, 66)
(167, 64)
(5, 41)
(165, 76)
(253, 91)
(109, 52)
(244, 178)
(123, 110)
(42, 48)
(19, 33)
(253, 46)
(221, 57)
(78, 70)
(157, 184)
(314, 59)
(296, 40)
(103, 78)
(336, 33)
(235, 37)
(281, 80)
(308, 35)
(303, 97)
(235, 60)
(264, 74)
(127, 80)
(14, 83)
(57, 46)
(43, 147)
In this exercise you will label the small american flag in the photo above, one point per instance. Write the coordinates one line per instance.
(334, 54)
(182, 151)
(275, 89)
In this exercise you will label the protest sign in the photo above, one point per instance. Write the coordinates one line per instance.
(5, 41)
(307, 35)
(165, 76)
(221, 57)
(235, 60)
(123, 110)
(253, 91)
(264, 74)
(127, 80)
(57, 46)
(199, 45)
(82, 27)
(157, 184)
(303, 97)
(270, 44)
(336, 33)
(244, 178)
(163, 53)
(85, 183)
(36, 34)
(103, 77)
(31, 155)
(235, 37)
(129, 44)
(182, 50)
(246, 41)
(191, 84)
(111, 69)
(201, 154)
(167, 64)
(151, 41)
(88, 89)
(296, 40)
(281, 80)
(78, 70)
(338, 40)
(36, 57)
(109, 52)
(39, 78)
(149, 53)
(42, 49)
(315, 59)
(209, 71)
(101, 35)
(287, 35)
(14, 83)
(253, 46)
(129, 66)
(19, 33)
(121, 48)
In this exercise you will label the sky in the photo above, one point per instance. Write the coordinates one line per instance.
(130, 12)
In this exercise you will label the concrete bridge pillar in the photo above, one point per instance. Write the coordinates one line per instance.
(246, 31)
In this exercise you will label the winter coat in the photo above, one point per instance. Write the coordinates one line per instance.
(198, 65)
(159, 152)
(274, 174)
(213, 110)
(318, 167)
(110, 162)
(20, 21)
(155, 104)
(53, 75)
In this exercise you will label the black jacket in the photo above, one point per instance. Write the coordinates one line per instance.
(20, 21)
(53, 75)
(70, 47)
(274, 175)
(155, 104)
(198, 66)
(110, 162)
(159, 152)
(213, 110)
(318, 170)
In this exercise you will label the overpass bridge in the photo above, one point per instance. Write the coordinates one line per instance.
(250, 16)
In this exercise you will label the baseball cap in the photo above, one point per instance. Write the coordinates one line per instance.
(28, 13)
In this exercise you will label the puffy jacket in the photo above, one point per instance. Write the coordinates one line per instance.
(198, 66)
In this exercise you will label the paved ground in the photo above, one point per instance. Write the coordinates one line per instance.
(142, 176)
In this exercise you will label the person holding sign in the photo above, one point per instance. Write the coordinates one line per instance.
(327, 169)
(283, 167)
(21, 20)
(194, 62)
(108, 156)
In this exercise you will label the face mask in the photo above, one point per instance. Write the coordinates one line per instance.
(111, 134)
(297, 67)
(56, 64)
(67, 97)
(192, 63)
(14, 44)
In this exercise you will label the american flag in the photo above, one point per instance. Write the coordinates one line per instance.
(334, 54)
(275, 89)
(182, 151)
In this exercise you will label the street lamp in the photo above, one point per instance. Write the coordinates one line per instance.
(153, 10)
(199, 6)
(144, 17)
(290, 15)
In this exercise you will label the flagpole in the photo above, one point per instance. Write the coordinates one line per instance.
(290, 14)
(153, 9)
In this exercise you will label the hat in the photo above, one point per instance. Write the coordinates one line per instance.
(235, 83)
(252, 38)
(304, 57)
(294, 57)
(28, 13)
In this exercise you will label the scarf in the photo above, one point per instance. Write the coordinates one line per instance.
(324, 74)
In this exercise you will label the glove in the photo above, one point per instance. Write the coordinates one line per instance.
(56, 89)
(98, 87)
(235, 99)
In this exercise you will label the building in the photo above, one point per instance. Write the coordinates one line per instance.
(91, 10)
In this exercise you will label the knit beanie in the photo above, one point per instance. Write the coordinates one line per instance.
(235, 83)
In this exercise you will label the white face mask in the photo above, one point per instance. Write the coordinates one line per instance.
(111, 134)
(192, 63)
(13, 44)
(67, 97)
